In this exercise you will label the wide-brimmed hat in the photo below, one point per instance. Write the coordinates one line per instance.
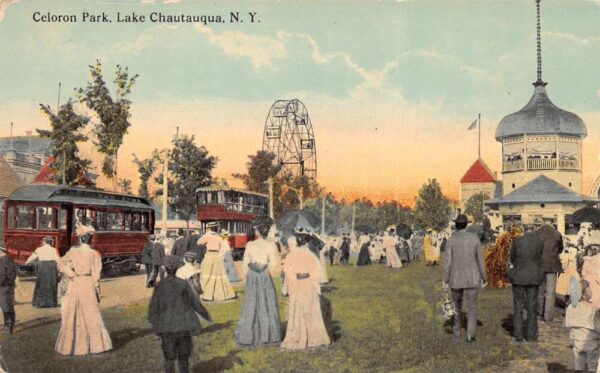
(212, 224)
(224, 232)
(84, 229)
(3, 249)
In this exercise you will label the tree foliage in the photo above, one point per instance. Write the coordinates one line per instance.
(146, 168)
(66, 132)
(432, 208)
(190, 167)
(474, 206)
(124, 186)
(113, 113)
(260, 167)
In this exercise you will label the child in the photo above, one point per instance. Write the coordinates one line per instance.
(173, 313)
(584, 329)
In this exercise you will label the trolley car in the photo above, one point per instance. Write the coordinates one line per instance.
(231, 209)
(122, 222)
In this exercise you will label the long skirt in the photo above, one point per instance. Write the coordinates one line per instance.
(229, 267)
(46, 285)
(364, 257)
(259, 321)
(213, 278)
(323, 278)
(392, 258)
(82, 330)
(305, 327)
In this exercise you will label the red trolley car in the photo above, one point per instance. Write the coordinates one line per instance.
(122, 222)
(233, 210)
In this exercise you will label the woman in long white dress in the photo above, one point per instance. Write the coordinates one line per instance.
(213, 276)
(82, 329)
(305, 327)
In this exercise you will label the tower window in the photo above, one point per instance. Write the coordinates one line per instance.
(513, 185)
(542, 205)
(570, 184)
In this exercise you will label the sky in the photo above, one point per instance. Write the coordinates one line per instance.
(390, 86)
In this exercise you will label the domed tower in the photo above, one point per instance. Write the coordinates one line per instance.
(541, 139)
(541, 160)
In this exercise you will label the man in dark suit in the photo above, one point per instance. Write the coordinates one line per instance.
(193, 246)
(553, 246)
(180, 245)
(525, 276)
(8, 275)
(147, 259)
(156, 260)
(464, 274)
(173, 312)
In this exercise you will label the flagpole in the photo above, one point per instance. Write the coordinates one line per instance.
(479, 138)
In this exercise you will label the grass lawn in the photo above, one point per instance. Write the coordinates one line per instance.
(382, 320)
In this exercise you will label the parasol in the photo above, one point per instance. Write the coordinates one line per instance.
(404, 231)
(365, 229)
(586, 215)
(299, 220)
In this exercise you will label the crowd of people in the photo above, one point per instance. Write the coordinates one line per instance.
(192, 269)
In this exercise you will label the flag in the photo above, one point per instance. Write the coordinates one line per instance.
(473, 125)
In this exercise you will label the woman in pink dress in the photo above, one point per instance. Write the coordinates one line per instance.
(302, 269)
(82, 330)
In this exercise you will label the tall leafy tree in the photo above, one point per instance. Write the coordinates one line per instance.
(259, 168)
(146, 168)
(190, 167)
(113, 113)
(474, 206)
(432, 208)
(66, 132)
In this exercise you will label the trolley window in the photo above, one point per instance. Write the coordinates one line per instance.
(114, 221)
(44, 218)
(24, 217)
(62, 219)
(136, 223)
(12, 219)
(145, 222)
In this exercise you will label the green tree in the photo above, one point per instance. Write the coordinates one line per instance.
(260, 167)
(113, 113)
(474, 206)
(146, 168)
(124, 186)
(432, 208)
(190, 167)
(66, 132)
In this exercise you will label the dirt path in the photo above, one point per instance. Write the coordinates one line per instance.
(552, 352)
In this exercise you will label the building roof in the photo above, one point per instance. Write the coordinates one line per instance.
(540, 117)
(26, 144)
(45, 176)
(542, 189)
(9, 180)
(479, 172)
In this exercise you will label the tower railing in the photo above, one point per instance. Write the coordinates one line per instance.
(540, 164)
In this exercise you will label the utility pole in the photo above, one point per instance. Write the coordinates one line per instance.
(165, 188)
(64, 160)
(353, 217)
(271, 198)
(323, 217)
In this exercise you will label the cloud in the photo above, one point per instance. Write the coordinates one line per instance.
(4, 5)
(144, 40)
(572, 38)
(472, 70)
(261, 50)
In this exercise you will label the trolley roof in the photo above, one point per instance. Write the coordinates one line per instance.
(229, 189)
(77, 195)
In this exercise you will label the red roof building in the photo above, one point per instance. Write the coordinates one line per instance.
(479, 172)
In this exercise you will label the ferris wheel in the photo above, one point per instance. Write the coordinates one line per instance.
(289, 135)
